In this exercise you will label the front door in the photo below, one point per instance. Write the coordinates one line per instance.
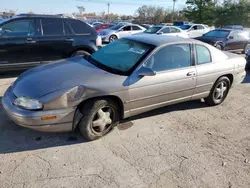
(125, 31)
(17, 44)
(175, 79)
(232, 42)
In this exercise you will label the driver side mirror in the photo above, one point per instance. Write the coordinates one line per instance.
(231, 37)
(144, 71)
(160, 33)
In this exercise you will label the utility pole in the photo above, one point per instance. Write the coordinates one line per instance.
(108, 11)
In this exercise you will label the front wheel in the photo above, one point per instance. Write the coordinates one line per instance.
(219, 91)
(218, 46)
(99, 118)
(112, 38)
(80, 53)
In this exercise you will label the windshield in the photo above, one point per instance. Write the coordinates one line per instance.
(120, 56)
(217, 33)
(116, 27)
(185, 27)
(152, 30)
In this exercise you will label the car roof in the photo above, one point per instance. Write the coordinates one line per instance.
(159, 40)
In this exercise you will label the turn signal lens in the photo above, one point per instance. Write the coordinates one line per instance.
(48, 117)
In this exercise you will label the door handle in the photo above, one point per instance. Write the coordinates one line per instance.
(30, 41)
(191, 74)
(69, 39)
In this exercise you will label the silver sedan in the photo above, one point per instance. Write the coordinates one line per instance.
(125, 78)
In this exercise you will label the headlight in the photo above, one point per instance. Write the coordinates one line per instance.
(28, 103)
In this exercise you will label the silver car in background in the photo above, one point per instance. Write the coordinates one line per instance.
(166, 30)
(125, 78)
(195, 30)
(120, 30)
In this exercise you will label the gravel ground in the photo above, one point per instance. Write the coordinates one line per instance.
(188, 145)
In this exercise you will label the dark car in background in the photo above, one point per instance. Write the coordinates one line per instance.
(228, 39)
(27, 41)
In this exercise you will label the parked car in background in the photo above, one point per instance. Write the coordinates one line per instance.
(95, 24)
(146, 26)
(119, 31)
(27, 41)
(248, 60)
(103, 26)
(195, 30)
(166, 30)
(180, 23)
(130, 76)
(236, 27)
(228, 40)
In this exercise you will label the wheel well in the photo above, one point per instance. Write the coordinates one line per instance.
(229, 76)
(82, 48)
(112, 97)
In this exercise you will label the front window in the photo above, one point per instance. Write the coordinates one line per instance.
(217, 33)
(170, 57)
(120, 56)
(117, 27)
(185, 27)
(152, 30)
(20, 28)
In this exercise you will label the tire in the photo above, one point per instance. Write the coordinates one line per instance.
(214, 98)
(80, 53)
(247, 47)
(218, 46)
(112, 38)
(91, 113)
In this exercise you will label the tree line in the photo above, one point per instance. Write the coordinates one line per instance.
(199, 11)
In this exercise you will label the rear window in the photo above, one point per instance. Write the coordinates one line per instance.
(52, 27)
(80, 27)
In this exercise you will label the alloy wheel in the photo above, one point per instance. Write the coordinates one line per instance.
(220, 91)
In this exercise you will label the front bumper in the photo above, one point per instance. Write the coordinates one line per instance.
(32, 119)
(105, 38)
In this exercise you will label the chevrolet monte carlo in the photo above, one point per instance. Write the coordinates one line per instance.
(127, 77)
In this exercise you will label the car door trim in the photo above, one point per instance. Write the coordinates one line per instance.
(16, 64)
(167, 93)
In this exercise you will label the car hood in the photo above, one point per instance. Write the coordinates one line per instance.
(210, 40)
(64, 74)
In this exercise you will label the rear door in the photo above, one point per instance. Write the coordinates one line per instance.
(17, 44)
(53, 43)
(136, 29)
(232, 42)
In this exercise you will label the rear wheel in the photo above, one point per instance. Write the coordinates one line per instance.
(99, 118)
(81, 53)
(112, 38)
(246, 49)
(219, 91)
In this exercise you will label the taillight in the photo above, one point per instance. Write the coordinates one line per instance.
(98, 41)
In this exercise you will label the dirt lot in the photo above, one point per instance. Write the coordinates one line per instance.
(187, 145)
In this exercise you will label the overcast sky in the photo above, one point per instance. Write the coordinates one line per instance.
(69, 6)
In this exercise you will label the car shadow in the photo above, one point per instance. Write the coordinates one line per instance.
(14, 138)
(10, 74)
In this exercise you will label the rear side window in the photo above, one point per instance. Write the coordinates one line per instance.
(52, 27)
(134, 27)
(174, 30)
(79, 27)
(203, 55)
